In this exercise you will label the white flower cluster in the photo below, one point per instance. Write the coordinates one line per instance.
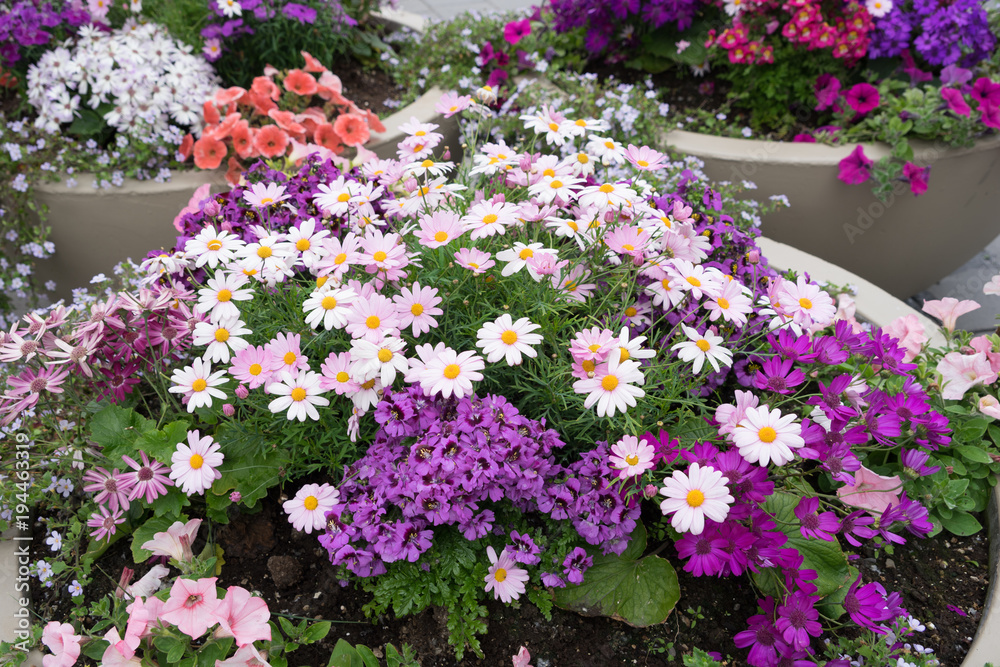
(154, 83)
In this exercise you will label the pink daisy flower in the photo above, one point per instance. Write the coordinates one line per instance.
(416, 307)
(113, 487)
(731, 303)
(571, 285)
(338, 256)
(645, 158)
(474, 259)
(452, 373)
(452, 103)
(307, 510)
(252, 366)
(612, 387)
(592, 345)
(489, 219)
(372, 317)
(806, 303)
(286, 355)
(105, 522)
(628, 240)
(631, 456)
(504, 578)
(336, 372)
(148, 480)
(382, 252)
(438, 229)
(194, 464)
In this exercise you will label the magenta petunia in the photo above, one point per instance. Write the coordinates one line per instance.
(862, 97)
(854, 168)
(515, 31)
(917, 177)
(827, 91)
(986, 92)
(956, 101)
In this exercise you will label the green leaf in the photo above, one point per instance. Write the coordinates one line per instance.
(962, 523)
(115, 427)
(146, 532)
(344, 655)
(161, 444)
(316, 632)
(638, 591)
(95, 649)
(171, 504)
(367, 656)
(89, 123)
(973, 453)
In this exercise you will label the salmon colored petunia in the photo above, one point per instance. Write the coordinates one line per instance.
(242, 136)
(352, 128)
(286, 121)
(187, 143)
(312, 65)
(328, 138)
(211, 113)
(301, 83)
(262, 104)
(264, 86)
(226, 96)
(373, 122)
(225, 128)
(235, 172)
(270, 141)
(209, 152)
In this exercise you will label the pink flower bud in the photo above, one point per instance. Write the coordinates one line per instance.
(228, 409)
(446, 155)
(410, 184)
(753, 256)
(212, 208)
(241, 392)
(235, 496)
(649, 491)
(123, 582)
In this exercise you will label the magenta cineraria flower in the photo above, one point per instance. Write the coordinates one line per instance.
(866, 605)
(105, 522)
(816, 526)
(862, 97)
(797, 620)
(854, 168)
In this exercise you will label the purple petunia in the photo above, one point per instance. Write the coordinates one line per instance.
(855, 168)
(301, 13)
(862, 98)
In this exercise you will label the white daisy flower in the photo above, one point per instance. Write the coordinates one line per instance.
(299, 395)
(612, 388)
(221, 290)
(198, 383)
(701, 347)
(767, 436)
(212, 247)
(383, 358)
(329, 307)
(222, 339)
(505, 339)
(701, 493)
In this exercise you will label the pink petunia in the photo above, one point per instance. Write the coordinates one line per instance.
(956, 101)
(243, 616)
(949, 309)
(515, 31)
(854, 169)
(909, 331)
(62, 640)
(192, 606)
(175, 542)
(871, 491)
(862, 97)
(917, 176)
(960, 372)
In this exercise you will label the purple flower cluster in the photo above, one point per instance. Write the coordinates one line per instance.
(942, 32)
(446, 462)
(32, 23)
(605, 19)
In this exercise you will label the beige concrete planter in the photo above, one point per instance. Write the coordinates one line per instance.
(903, 245)
(876, 305)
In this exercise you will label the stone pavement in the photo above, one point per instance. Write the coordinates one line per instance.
(447, 9)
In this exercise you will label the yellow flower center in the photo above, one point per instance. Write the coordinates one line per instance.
(215, 244)
(224, 295)
(508, 337)
(419, 133)
(473, 265)
(379, 256)
(298, 394)
(328, 303)
(628, 246)
(553, 127)
(556, 184)
(369, 384)
(607, 188)
(266, 200)
(343, 376)
(767, 434)
(642, 163)
(582, 158)
(489, 219)
(385, 355)
(526, 253)
(343, 196)
(263, 252)
(196, 461)
(255, 369)
(609, 144)
(805, 303)
(289, 358)
(631, 312)
(609, 383)
(703, 345)
(199, 385)
(373, 322)
(340, 259)
(632, 460)
(624, 356)
(302, 245)
(451, 371)
(665, 283)
(417, 309)
(588, 365)
(572, 225)
(723, 303)
(580, 122)
(310, 503)
(221, 335)
(695, 498)
(551, 173)
(694, 282)
(440, 237)
(427, 163)
(500, 575)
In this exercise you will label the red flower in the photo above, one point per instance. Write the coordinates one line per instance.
(210, 112)
(187, 143)
(270, 141)
(352, 128)
(328, 138)
(242, 137)
(208, 153)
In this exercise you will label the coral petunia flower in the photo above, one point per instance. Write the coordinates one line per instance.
(301, 83)
(270, 141)
(352, 128)
(209, 153)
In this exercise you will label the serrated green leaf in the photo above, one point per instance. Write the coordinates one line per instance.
(161, 444)
(171, 504)
(962, 523)
(640, 592)
(973, 453)
(115, 428)
(146, 532)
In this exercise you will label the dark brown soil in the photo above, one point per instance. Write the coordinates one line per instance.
(292, 572)
(369, 88)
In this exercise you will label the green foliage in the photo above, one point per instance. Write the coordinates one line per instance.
(699, 658)
(659, 50)
(345, 655)
(638, 590)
